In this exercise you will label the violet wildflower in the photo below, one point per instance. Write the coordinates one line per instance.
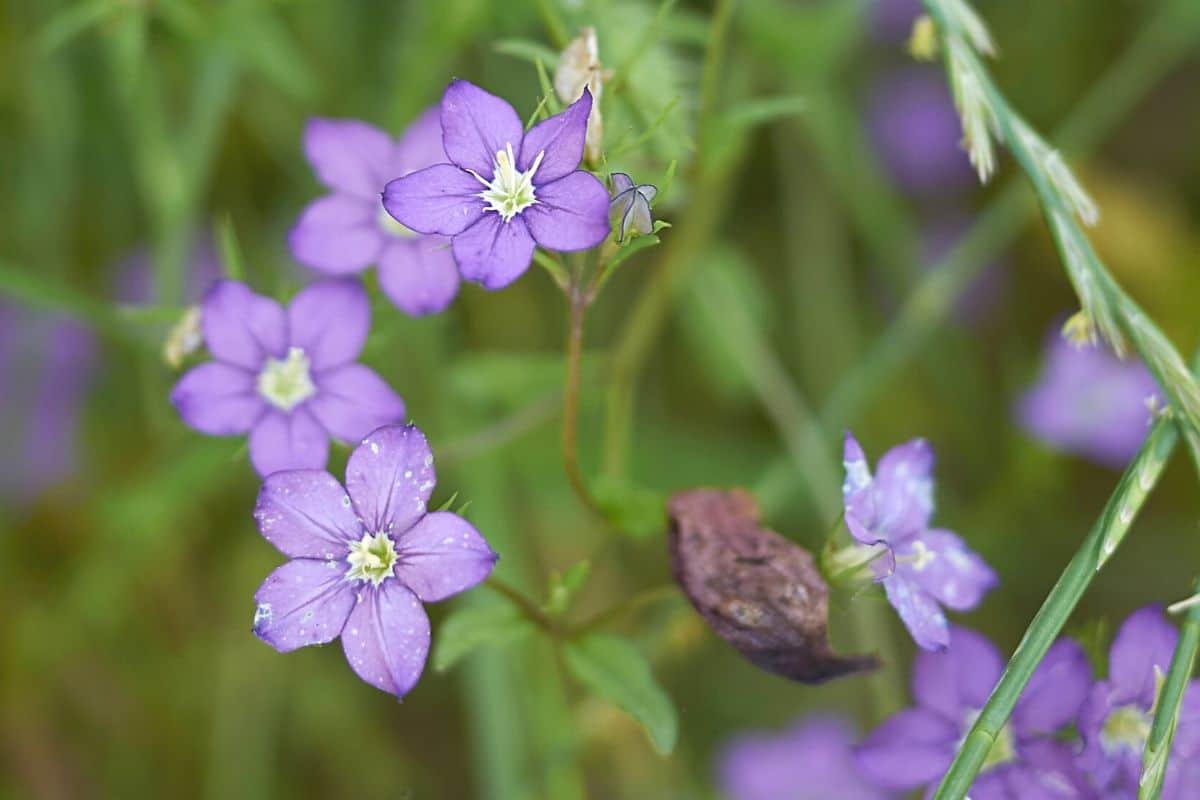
(1115, 720)
(892, 20)
(505, 190)
(364, 558)
(921, 568)
(287, 378)
(348, 230)
(1089, 402)
(631, 206)
(813, 760)
(916, 132)
(914, 747)
(46, 365)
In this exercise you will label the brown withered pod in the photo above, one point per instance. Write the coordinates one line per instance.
(759, 591)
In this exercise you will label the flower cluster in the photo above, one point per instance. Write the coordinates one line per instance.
(1069, 738)
(466, 192)
(921, 568)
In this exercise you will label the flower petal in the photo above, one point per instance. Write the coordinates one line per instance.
(493, 253)
(305, 601)
(338, 233)
(943, 566)
(475, 126)
(390, 477)
(919, 612)
(621, 183)
(559, 140)
(421, 144)
(329, 320)
(419, 276)
(959, 679)
(570, 214)
(218, 399)
(1144, 644)
(857, 497)
(306, 514)
(352, 400)
(349, 155)
(442, 555)
(910, 749)
(904, 489)
(386, 639)
(241, 327)
(1055, 692)
(440, 199)
(288, 441)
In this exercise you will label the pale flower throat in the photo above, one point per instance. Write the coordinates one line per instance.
(510, 191)
(372, 559)
(286, 383)
(1126, 727)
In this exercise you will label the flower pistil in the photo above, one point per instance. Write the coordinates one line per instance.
(510, 191)
(286, 383)
(373, 558)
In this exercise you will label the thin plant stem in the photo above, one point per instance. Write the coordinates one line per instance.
(1170, 699)
(1118, 515)
(628, 606)
(577, 309)
(528, 608)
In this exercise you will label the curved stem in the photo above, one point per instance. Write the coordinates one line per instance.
(570, 422)
(528, 608)
(627, 606)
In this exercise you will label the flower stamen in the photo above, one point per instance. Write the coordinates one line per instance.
(286, 383)
(510, 191)
(373, 559)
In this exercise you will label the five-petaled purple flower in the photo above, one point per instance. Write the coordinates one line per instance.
(505, 190)
(1087, 401)
(1027, 762)
(287, 378)
(813, 760)
(1115, 720)
(364, 558)
(919, 567)
(348, 230)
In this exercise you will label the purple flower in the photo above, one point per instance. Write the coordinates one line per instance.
(348, 230)
(631, 206)
(914, 747)
(505, 190)
(916, 132)
(46, 365)
(1088, 402)
(364, 558)
(892, 20)
(286, 377)
(921, 569)
(1116, 717)
(813, 760)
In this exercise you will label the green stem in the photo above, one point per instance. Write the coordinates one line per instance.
(570, 421)
(1136, 484)
(1170, 699)
(640, 600)
(710, 177)
(528, 608)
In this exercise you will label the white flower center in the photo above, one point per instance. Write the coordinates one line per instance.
(392, 227)
(286, 383)
(920, 557)
(510, 191)
(372, 559)
(1126, 727)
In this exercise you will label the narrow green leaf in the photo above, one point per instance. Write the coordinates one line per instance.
(762, 110)
(71, 22)
(564, 586)
(633, 510)
(1168, 704)
(470, 628)
(231, 250)
(614, 669)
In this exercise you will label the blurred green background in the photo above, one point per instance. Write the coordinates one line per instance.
(794, 296)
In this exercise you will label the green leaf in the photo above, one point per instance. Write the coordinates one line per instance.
(470, 628)
(564, 587)
(762, 110)
(633, 510)
(230, 249)
(73, 21)
(526, 50)
(615, 670)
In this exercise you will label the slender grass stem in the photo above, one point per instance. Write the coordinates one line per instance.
(528, 608)
(570, 421)
(1118, 514)
(1170, 699)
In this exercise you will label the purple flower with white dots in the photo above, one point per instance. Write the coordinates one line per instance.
(1027, 761)
(286, 377)
(813, 760)
(1115, 720)
(1089, 402)
(364, 558)
(505, 190)
(348, 230)
(921, 569)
